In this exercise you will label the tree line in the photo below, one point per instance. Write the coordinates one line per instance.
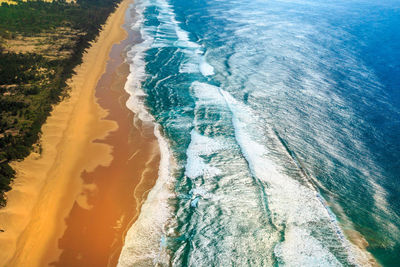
(31, 83)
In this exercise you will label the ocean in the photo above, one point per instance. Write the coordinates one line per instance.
(279, 128)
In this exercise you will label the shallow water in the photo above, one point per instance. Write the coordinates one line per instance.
(278, 123)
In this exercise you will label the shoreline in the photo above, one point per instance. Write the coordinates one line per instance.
(113, 195)
(76, 141)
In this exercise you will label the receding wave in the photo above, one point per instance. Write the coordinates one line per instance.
(255, 114)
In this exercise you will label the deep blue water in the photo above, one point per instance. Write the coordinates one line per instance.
(279, 125)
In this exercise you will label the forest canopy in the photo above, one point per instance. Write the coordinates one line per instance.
(40, 44)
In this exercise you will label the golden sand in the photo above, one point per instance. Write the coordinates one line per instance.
(112, 195)
(47, 185)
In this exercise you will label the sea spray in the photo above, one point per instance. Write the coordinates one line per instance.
(264, 108)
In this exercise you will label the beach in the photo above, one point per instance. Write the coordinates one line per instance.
(72, 204)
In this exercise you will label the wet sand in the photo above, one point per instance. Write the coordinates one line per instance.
(71, 205)
(98, 221)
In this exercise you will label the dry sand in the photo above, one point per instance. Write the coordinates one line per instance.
(112, 195)
(48, 186)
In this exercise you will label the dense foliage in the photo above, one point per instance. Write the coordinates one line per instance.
(30, 83)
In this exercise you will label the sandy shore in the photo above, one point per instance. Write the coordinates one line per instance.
(49, 187)
(112, 195)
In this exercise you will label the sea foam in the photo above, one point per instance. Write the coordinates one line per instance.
(239, 204)
(144, 244)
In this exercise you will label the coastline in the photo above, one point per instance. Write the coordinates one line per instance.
(112, 195)
(77, 147)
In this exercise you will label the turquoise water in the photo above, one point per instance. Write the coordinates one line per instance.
(279, 129)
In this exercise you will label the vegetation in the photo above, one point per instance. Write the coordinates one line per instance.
(40, 44)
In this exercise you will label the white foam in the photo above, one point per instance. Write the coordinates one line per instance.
(137, 71)
(189, 67)
(300, 248)
(201, 145)
(144, 244)
(292, 204)
(145, 241)
(170, 34)
(207, 94)
(205, 68)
